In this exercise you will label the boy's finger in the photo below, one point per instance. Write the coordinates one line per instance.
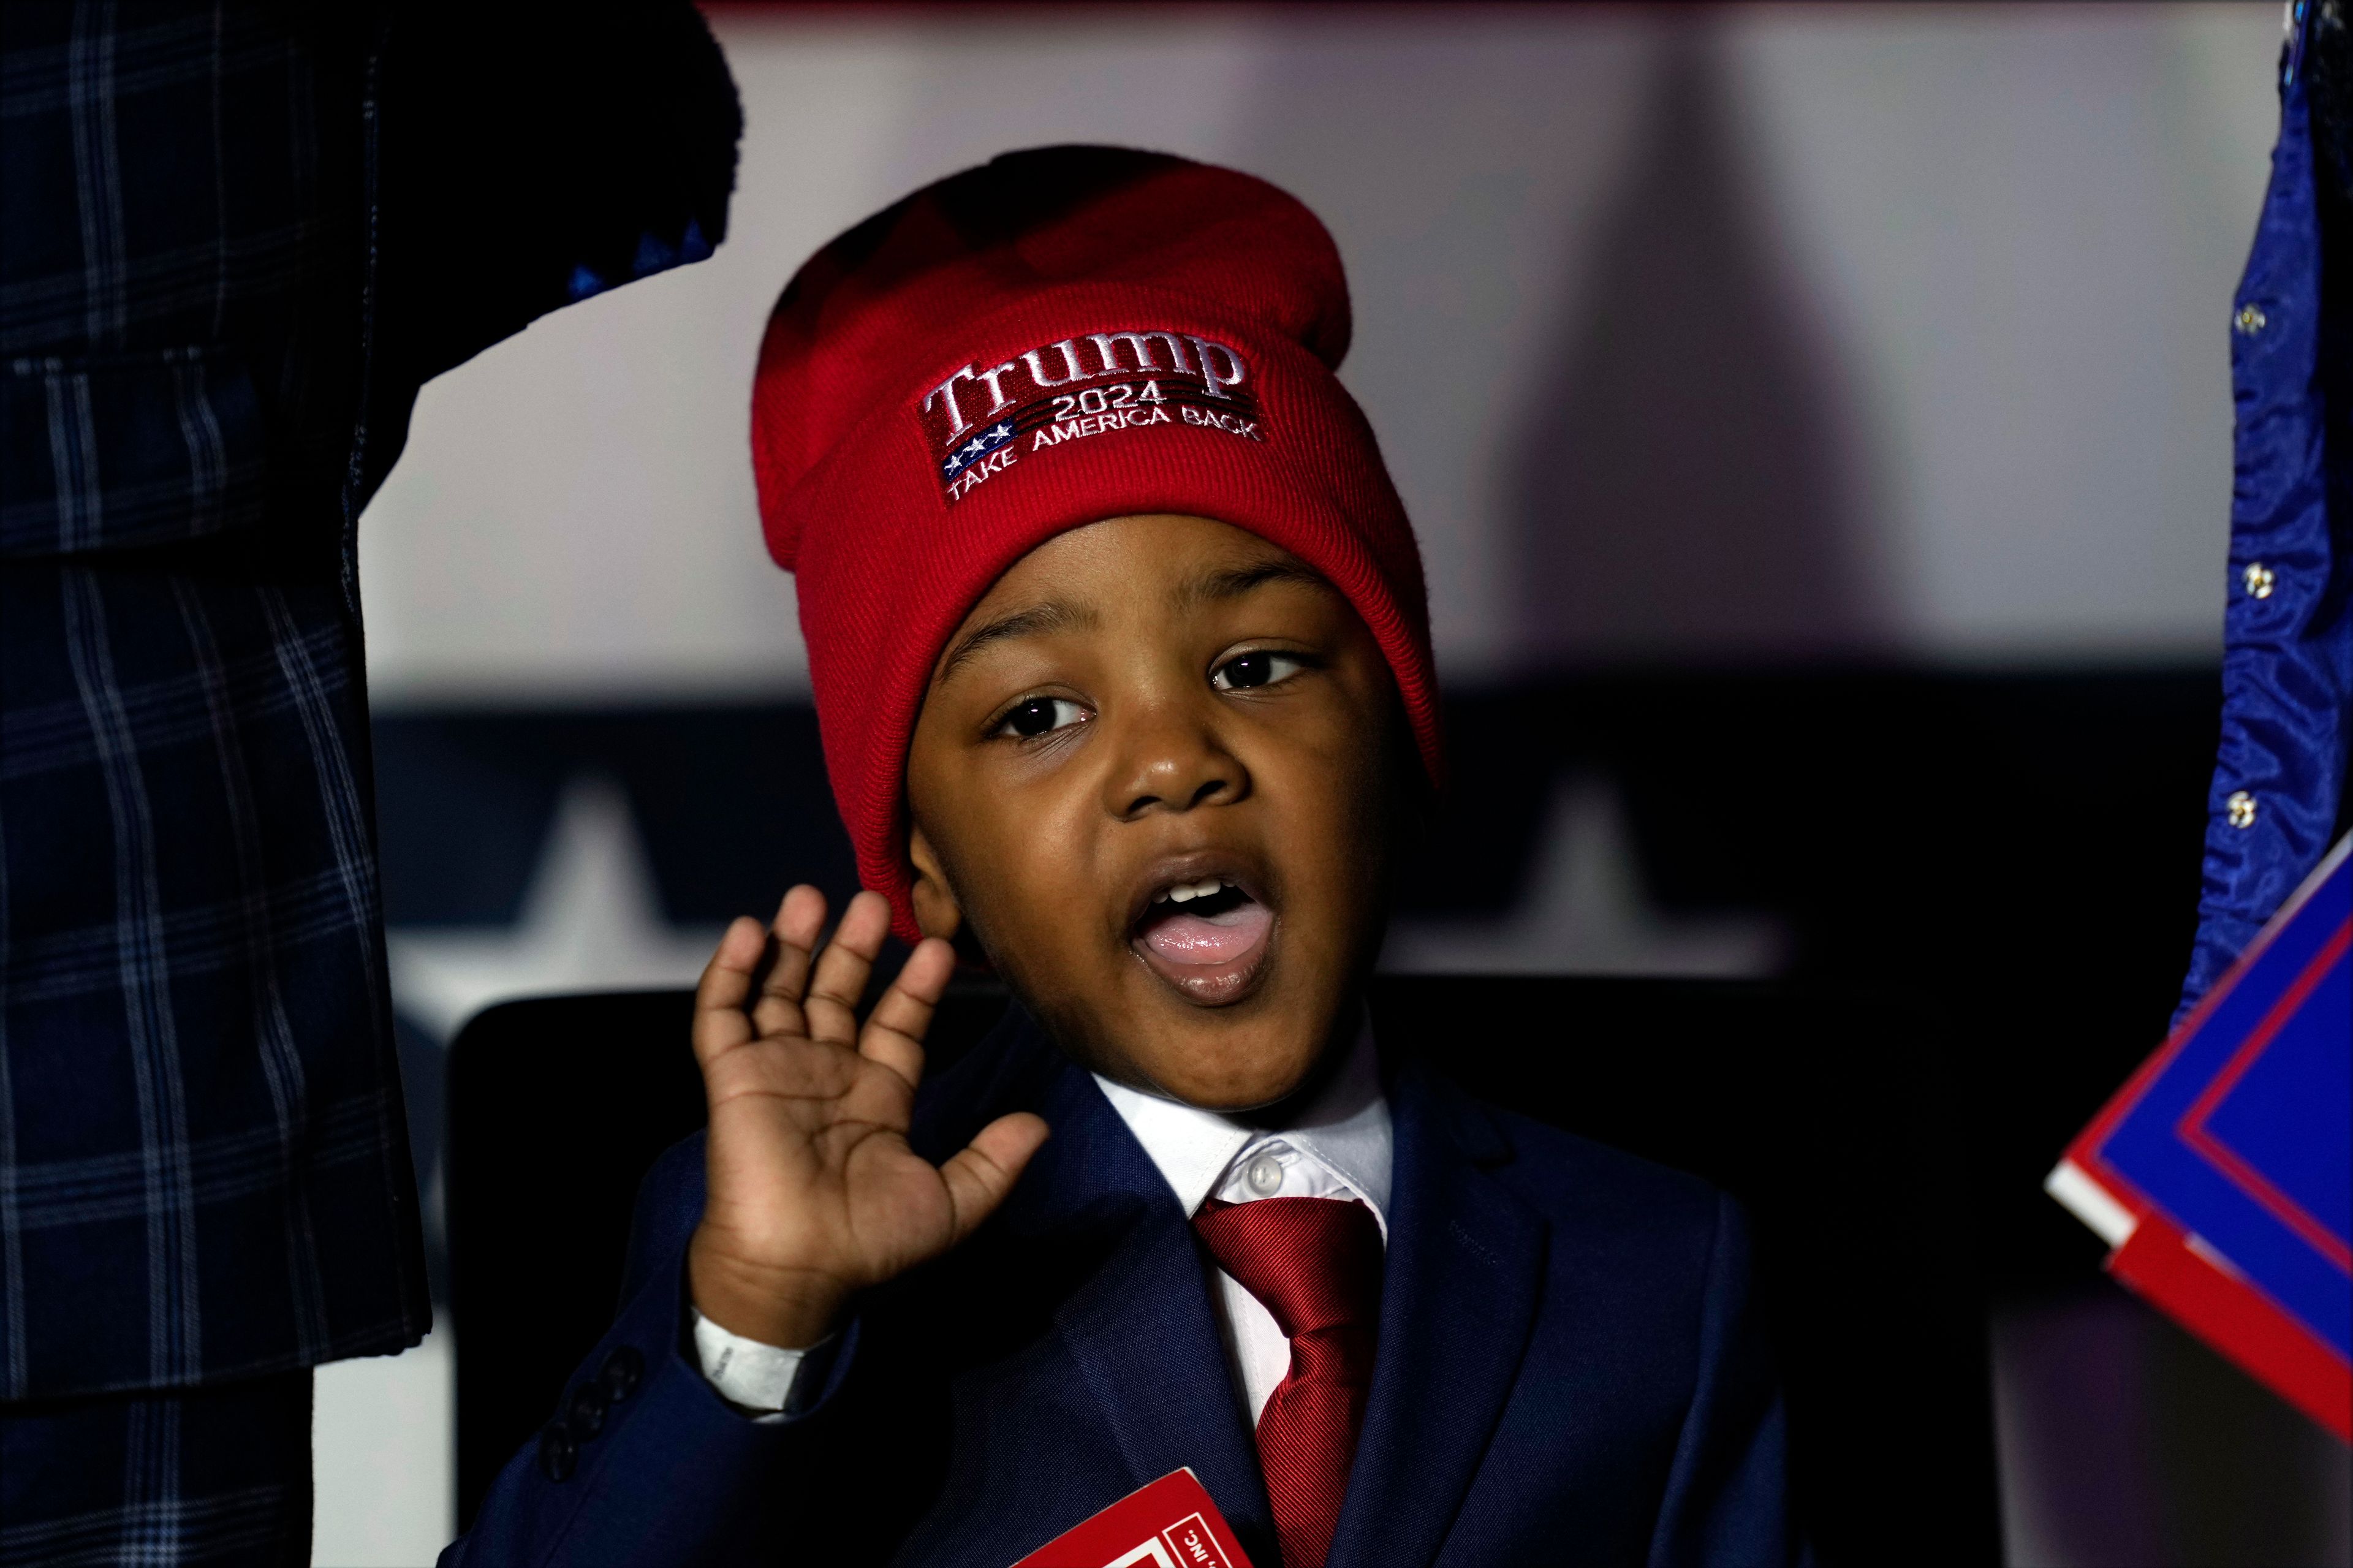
(799, 919)
(842, 969)
(985, 1171)
(894, 1032)
(719, 1020)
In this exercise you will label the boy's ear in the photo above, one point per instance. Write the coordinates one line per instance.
(936, 910)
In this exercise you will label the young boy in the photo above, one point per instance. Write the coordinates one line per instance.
(1118, 639)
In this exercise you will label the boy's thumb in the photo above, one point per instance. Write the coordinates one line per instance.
(985, 1171)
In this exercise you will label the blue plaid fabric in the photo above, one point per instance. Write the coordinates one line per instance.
(203, 1170)
(225, 264)
(159, 1480)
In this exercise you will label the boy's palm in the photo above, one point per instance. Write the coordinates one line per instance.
(814, 1193)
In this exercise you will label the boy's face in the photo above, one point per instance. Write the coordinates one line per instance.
(1139, 712)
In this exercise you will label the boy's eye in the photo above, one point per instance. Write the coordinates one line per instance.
(1039, 716)
(1261, 667)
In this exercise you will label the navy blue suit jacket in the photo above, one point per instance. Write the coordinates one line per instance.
(1568, 1368)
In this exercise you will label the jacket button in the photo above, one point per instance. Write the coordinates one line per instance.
(2260, 580)
(2239, 808)
(623, 1370)
(558, 1454)
(585, 1417)
(2250, 320)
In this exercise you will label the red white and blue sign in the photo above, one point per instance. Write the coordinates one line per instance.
(2223, 1173)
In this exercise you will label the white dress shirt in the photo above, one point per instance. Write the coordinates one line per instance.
(1339, 1147)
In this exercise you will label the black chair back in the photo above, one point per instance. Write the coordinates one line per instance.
(1831, 1118)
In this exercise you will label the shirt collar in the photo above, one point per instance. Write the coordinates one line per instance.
(1345, 1128)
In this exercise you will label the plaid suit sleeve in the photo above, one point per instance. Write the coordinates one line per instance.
(203, 1168)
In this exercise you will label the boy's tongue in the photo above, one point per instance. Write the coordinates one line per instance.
(1184, 938)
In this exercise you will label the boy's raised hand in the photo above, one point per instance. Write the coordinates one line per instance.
(814, 1193)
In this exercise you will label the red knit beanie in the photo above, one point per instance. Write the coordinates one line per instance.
(1061, 336)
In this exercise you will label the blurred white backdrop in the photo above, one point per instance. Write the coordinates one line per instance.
(2008, 237)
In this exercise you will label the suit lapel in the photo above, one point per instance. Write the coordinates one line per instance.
(1459, 1295)
(1141, 1330)
(1138, 1328)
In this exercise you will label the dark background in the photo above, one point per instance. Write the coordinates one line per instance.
(2013, 856)
(2018, 854)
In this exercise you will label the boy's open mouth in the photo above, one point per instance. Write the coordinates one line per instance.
(1207, 936)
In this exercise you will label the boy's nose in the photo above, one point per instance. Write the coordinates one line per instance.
(1171, 764)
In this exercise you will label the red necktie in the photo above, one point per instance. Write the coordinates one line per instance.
(1315, 1265)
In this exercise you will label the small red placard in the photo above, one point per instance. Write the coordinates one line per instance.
(1171, 1524)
